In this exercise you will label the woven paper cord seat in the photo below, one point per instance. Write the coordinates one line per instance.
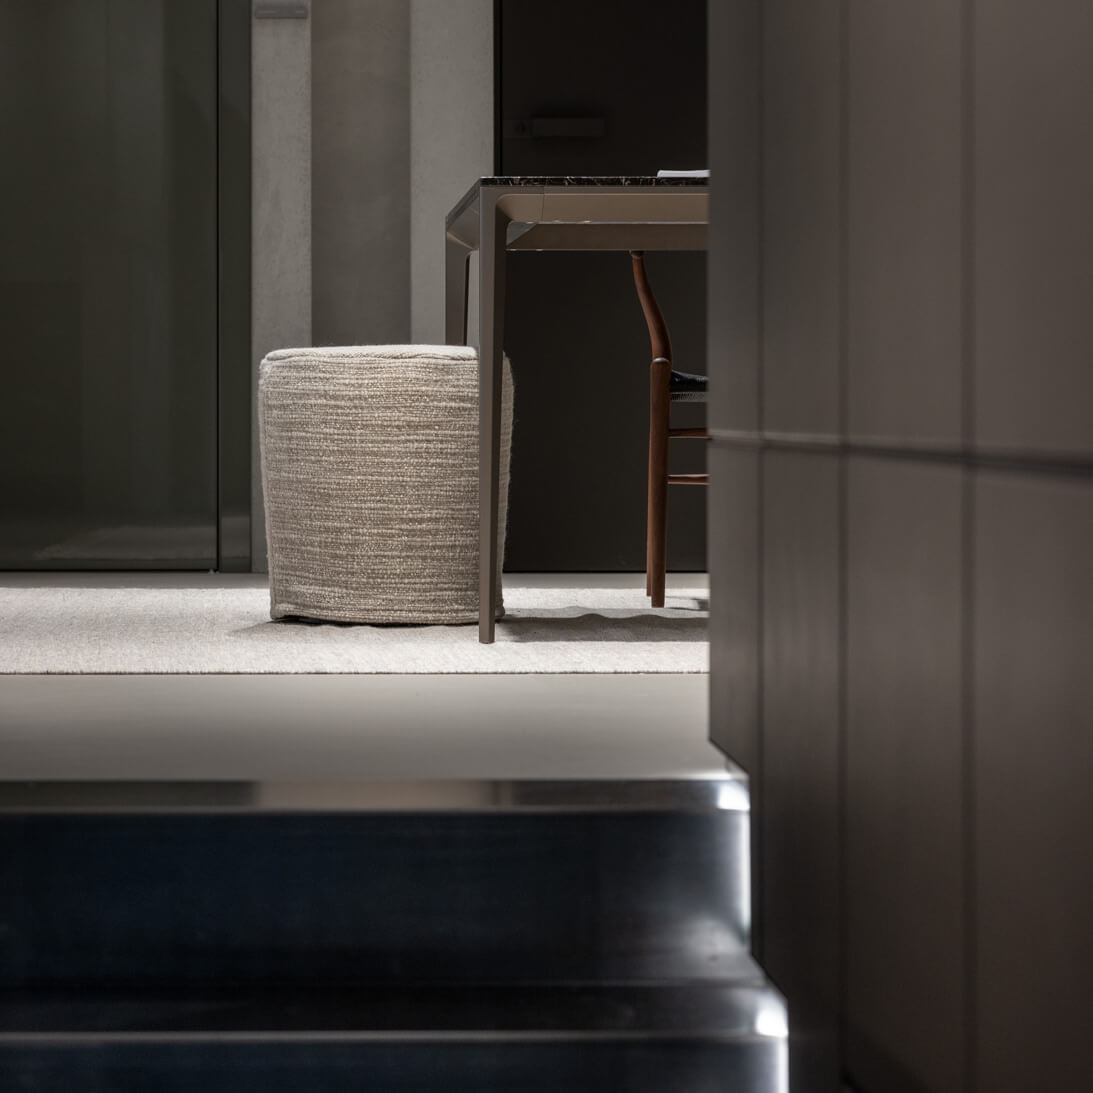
(370, 470)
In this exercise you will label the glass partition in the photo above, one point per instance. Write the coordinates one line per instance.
(108, 284)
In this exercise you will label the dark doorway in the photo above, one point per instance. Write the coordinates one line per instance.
(617, 87)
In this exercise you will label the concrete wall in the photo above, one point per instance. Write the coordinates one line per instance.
(451, 141)
(361, 171)
(402, 116)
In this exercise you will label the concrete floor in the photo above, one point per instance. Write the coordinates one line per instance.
(175, 727)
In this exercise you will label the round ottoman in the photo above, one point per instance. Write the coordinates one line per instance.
(370, 471)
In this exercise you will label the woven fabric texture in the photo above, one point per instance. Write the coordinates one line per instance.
(370, 471)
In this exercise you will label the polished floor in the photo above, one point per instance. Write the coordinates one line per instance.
(155, 727)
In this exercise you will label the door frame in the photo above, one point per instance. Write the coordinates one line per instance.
(233, 235)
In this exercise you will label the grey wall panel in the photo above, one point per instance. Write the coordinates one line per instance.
(734, 596)
(1034, 232)
(360, 156)
(733, 275)
(801, 215)
(1033, 754)
(402, 125)
(281, 265)
(734, 522)
(969, 247)
(801, 755)
(904, 777)
(904, 227)
(451, 143)
(234, 202)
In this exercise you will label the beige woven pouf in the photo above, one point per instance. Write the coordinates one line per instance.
(370, 471)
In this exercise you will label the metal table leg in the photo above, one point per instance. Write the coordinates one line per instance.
(456, 265)
(494, 225)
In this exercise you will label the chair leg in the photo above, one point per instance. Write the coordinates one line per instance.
(656, 542)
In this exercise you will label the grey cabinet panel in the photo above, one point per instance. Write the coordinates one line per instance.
(904, 230)
(1033, 807)
(905, 900)
(733, 269)
(802, 265)
(1033, 230)
(799, 823)
(734, 603)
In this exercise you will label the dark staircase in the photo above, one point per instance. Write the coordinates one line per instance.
(402, 937)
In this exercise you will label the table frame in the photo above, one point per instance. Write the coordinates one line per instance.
(498, 215)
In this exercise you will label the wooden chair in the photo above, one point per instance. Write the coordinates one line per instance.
(666, 385)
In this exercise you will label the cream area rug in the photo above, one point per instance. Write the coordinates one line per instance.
(99, 623)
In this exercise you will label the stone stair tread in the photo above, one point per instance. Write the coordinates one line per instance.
(740, 1008)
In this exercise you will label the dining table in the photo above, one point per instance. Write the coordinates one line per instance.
(500, 214)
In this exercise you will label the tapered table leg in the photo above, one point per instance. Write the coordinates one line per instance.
(492, 314)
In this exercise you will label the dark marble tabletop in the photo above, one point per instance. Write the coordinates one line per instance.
(469, 201)
(590, 180)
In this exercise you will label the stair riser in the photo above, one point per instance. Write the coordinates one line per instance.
(201, 897)
(419, 1067)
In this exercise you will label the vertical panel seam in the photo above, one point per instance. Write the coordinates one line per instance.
(844, 216)
(761, 219)
(969, 783)
(498, 134)
(218, 473)
(760, 496)
(842, 940)
(968, 233)
(968, 287)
